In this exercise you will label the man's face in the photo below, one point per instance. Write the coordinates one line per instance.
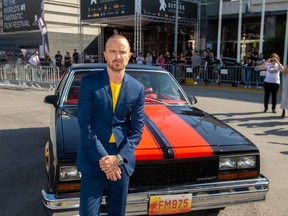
(117, 54)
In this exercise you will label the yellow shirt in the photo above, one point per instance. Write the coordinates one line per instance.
(115, 89)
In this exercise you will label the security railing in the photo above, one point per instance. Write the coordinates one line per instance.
(32, 76)
(48, 76)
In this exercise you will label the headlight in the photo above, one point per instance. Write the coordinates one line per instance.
(239, 162)
(245, 162)
(227, 163)
(69, 173)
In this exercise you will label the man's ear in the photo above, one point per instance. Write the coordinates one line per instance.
(104, 53)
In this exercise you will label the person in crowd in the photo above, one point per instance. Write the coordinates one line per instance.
(154, 57)
(182, 59)
(111, 121)
(284, 100)
(218, 66)
(167, 57)
(273, 68)
(133, 57)
(210, 59)
(148, 59)
(67, 60)
(58, 59)
(257, 69)
(34, 61)
(196, 60)
(47, 59)
(161, 61)
(188, 52)
(248, 68)
(87, 57)
(174, 58)
(75, 57)
(254, 54)
(140, 59)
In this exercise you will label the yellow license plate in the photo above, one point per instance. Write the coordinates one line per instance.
(170, 204)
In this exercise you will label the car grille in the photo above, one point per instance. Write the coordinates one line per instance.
(174, 172)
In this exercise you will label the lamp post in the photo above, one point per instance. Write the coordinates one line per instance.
(219, 29)
(286, 40)
(239, 32)
(262, 27)
(176, 27)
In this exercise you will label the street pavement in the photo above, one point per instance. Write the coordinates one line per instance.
(243, 109)
(24, 132)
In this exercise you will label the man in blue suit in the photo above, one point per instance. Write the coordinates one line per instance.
(111, 115)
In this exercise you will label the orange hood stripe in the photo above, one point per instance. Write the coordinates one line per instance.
(185, 141)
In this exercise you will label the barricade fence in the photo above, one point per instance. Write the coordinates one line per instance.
(28, 75)
(48, 76)
(235, 75)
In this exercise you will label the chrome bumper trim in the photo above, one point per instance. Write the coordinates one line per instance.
(205, 196)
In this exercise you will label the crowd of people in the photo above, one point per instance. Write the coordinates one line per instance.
(253, 63)
(67, 60)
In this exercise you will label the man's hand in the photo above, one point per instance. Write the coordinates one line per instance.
(115, 174)
(109, 165)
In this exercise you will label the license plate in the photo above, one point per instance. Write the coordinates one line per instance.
(170, 204)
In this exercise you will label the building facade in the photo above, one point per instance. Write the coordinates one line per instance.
(78, 24)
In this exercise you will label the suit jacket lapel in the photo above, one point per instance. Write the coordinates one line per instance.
(123, 92)
(107, 88)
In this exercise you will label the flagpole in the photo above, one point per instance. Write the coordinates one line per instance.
(239, 32)
(219, 29)
(286, 41)
(176, 28)
(262, 27)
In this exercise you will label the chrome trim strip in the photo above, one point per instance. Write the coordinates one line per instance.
(205, 196)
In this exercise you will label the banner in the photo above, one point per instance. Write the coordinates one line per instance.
(20, 15)
(187, 9)
(93, 9)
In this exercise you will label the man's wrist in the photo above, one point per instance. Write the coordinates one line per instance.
(120, 159)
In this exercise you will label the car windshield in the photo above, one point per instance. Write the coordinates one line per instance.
(160, 88)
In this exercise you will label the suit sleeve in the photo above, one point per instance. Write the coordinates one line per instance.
(128, 145)
(85, 117)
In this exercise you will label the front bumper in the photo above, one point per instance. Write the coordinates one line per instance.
(205, 196)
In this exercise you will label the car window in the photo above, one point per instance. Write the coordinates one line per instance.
(158, 86)
(72, 95)
(62, 82)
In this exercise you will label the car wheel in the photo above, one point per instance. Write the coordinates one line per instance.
(49, 166)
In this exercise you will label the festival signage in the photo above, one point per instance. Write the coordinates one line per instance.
(187, 9)
(21, 15)
(95, 9)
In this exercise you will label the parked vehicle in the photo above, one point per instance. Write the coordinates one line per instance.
(187, 160)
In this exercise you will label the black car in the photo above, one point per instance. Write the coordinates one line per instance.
(187, 160)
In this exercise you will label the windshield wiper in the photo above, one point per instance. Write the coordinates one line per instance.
(156, 100)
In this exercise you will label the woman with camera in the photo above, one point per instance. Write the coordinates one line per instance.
(273, 68)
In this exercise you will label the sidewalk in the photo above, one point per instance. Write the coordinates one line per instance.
(227, 86)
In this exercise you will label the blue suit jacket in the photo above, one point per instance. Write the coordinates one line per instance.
(97, 121)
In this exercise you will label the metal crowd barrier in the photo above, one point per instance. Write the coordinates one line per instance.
(30, 76)
(229, 74)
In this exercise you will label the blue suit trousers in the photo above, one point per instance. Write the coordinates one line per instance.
(94, 184)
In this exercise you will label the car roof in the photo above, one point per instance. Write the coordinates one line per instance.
(103, 65)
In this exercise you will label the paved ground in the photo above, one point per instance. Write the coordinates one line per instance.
(242, 109)
(24, 131)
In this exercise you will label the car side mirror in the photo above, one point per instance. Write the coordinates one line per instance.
(51, 99)
(192, 99)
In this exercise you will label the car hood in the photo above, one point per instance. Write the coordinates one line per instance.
(171, 132)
